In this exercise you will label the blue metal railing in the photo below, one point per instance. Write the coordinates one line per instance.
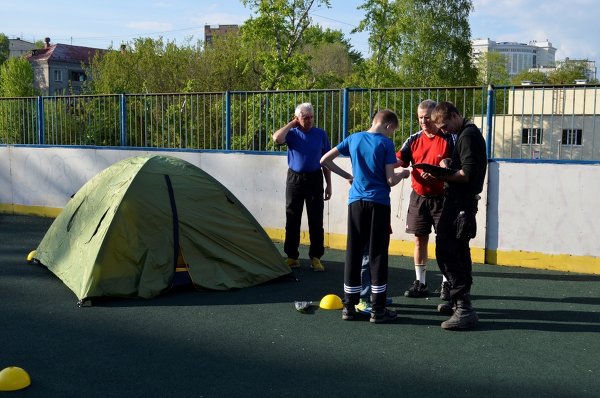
(524, 122)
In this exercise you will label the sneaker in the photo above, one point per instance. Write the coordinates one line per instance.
(348, 314)
(445, 291)
(416, 290)
(382, 316)
(363, 306)
(292, 262)
(316, 265)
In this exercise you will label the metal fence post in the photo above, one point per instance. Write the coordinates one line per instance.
(40, 120)
(123, 118)
(227, 120)
(345, 112)
(489, 116)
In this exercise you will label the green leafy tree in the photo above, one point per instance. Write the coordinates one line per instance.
(16, 78)
(568, 71)
(374, 75)
(275, 36)
(146, 65)
(331, 58)
(427, 42)
(329, 65)
(533, 76)
(492, 69)
(435, 42)
(222, 66)
(4, 48)
(316, 35)
(379, 22)
(16, 118)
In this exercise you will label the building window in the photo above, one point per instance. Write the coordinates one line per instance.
(58, 76)
(572, 136)
(532, 136)
(76, 76)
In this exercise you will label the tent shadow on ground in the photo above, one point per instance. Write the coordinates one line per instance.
(302, 285)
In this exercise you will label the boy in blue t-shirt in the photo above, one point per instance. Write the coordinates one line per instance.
(373, 158)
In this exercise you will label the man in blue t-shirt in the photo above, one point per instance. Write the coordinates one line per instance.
(306, 144)
(373, 158)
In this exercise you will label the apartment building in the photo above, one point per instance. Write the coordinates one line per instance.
(59, 68)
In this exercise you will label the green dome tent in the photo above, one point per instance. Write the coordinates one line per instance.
(125, 231)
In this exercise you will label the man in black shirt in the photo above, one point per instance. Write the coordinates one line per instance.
(457, 224)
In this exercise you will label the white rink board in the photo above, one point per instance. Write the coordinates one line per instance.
(536, 207)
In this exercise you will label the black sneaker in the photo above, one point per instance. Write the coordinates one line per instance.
(383, 316)
(348, 314)
(445, 291)
(416, 290)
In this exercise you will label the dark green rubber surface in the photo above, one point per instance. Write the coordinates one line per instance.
(539, 336)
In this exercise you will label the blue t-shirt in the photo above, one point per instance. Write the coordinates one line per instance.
(369, 153)
(305, 149)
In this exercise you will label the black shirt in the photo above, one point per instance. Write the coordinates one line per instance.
(470, 156)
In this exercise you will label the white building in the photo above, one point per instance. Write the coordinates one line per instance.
(520, 56)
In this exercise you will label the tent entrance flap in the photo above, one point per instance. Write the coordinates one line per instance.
(182, 275)
(176, 248)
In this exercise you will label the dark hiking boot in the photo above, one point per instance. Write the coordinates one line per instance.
(383, 316)
(416, 290)
(445, 291)
(446, 308)
(464, 316)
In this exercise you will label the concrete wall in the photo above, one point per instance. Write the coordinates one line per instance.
(536, 215)
(545, 215)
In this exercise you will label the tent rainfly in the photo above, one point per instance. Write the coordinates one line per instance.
(128, 229)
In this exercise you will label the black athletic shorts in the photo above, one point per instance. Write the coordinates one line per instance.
(423, 213)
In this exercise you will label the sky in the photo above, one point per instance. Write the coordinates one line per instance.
(571, 26)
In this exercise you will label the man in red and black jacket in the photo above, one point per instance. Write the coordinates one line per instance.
(426, 198)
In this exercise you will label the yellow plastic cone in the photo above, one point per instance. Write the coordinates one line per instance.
(331, 302)
(31, 256)
(13, 378)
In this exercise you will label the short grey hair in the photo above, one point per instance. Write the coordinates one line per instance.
(428, 105)
(304, 108)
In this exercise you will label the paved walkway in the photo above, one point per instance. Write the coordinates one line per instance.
(539, 337)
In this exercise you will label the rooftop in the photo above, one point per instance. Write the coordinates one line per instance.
(64, 52)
